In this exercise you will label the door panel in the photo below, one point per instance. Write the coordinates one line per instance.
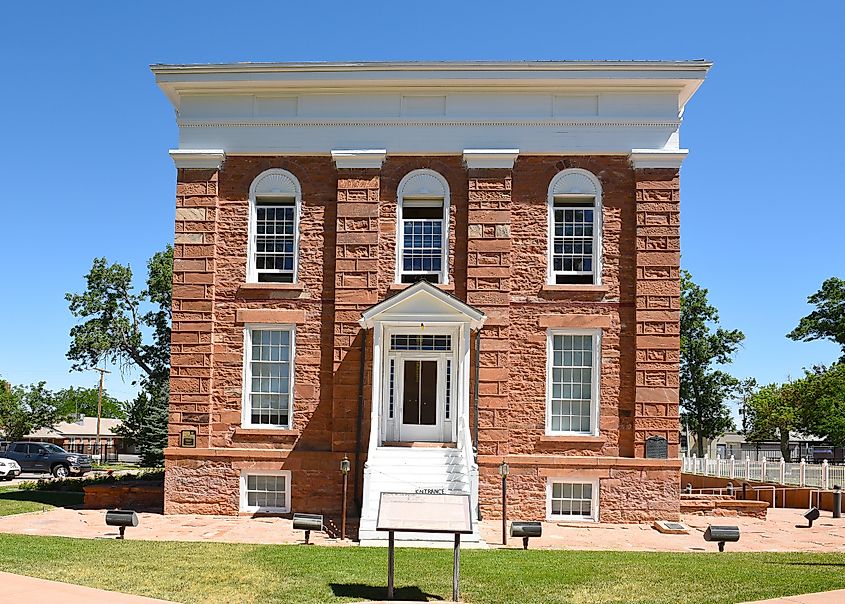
(421, 395)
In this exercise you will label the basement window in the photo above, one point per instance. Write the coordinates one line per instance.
(266, 492)
(571, 500)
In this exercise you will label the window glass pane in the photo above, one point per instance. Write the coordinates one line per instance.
(422, 244)
(269, 395)
(266, 492)
(572, 239)
(442, 343)
(570, 384)
(572, 499)
(275, 239)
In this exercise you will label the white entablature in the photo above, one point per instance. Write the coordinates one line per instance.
(566, 107)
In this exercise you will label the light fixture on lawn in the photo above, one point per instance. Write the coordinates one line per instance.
(722, 535)
(121, 519)
(811, 515)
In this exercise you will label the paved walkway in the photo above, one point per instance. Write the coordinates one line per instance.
(827, 597)
(777, 533)
(17, 588)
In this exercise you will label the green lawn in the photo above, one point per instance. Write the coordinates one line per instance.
(15, 501)
(217, 572)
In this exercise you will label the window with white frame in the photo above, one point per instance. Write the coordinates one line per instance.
(275, 200)
(572, 382)
(571, 500)
(265, 492)
(268, 376)
(423, 228)
(574, 228)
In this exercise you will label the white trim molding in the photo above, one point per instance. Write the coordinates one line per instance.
(595, 379)
(422, 303)
(490, 158)
(573, 480)
(273, 184)
(658, 158)
(582, 185)
(198, 158)
(246, 386)
(244, 501)
(358, 158)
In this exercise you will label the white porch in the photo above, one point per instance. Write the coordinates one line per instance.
(420, 438)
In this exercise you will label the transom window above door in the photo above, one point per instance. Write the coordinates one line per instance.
(438, 343)
(423, 228)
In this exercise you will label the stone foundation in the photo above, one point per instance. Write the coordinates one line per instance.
(630, 490)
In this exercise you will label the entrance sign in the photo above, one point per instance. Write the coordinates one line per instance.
(424, 513)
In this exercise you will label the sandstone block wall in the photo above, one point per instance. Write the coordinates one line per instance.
(497, 262)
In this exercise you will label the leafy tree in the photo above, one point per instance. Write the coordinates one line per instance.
(774, 412)
(83, 401)
(116, 321)
(704, 344)
(25, 409)
(827, 322)
(822, 394)
(745, 391)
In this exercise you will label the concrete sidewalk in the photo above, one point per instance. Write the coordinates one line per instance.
(825, 597)
(17, 588)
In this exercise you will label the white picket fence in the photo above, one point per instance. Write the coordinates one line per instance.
(802, 474)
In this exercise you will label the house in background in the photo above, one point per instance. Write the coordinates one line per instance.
(81, 437)
(430, 268)
(801, 446)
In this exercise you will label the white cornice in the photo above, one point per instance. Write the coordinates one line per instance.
(199, 158)
(358, 158)
(413, 123)
(657, 158)
(176, 80)
(490, 158)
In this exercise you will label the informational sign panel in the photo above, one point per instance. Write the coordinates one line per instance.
(424, 513)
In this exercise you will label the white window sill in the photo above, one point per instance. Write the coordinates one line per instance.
(570, 519)
(573, 437)
(248, 429)
(265, 511)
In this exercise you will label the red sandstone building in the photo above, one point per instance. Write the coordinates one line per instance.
(430, 268)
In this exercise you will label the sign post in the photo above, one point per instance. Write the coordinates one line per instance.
(424, 513)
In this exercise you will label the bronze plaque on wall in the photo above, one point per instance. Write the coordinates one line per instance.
(188, 438)
(656, 447)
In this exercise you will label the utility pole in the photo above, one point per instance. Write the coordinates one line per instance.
(103, 372)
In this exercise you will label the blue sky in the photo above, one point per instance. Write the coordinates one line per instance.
(85, 135)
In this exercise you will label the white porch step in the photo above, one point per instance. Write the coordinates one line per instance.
(410, 470)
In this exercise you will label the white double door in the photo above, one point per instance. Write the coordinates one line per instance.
(420, 400)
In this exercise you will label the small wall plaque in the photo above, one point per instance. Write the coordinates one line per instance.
(188, 438)
(656, 447)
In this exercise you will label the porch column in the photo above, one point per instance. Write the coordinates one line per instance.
(658, 298)
(488, 285)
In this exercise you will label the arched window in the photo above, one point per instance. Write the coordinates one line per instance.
(574, 228)
(422, 238)
(273, 250)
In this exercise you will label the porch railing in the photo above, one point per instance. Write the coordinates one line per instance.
(468, 457)
(800, 474)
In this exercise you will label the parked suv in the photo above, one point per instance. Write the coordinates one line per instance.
(47, 457)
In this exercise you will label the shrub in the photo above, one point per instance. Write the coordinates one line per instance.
(78, 484)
